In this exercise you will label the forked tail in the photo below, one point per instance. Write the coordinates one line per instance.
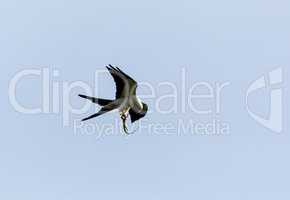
(101, 102)
(107, 104)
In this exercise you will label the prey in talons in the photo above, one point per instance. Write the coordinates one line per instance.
(124, 125)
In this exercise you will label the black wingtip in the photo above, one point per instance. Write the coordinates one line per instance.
(113, 68)
(110, 67)
(119, 70)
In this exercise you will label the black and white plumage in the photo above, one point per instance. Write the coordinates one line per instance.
(126, 100)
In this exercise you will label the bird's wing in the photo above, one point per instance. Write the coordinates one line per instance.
(125, 85)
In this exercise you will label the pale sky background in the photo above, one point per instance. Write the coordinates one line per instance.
(215, 41)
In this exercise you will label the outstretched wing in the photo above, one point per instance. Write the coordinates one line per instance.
(125, 85)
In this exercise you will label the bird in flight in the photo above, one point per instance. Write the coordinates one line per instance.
(126, 100)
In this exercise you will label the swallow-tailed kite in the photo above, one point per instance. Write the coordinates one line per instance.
(125, 101)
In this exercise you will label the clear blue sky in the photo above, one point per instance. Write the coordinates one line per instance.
(214, 41)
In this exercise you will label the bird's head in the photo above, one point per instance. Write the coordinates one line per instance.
(144, 109)
(136, 115)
